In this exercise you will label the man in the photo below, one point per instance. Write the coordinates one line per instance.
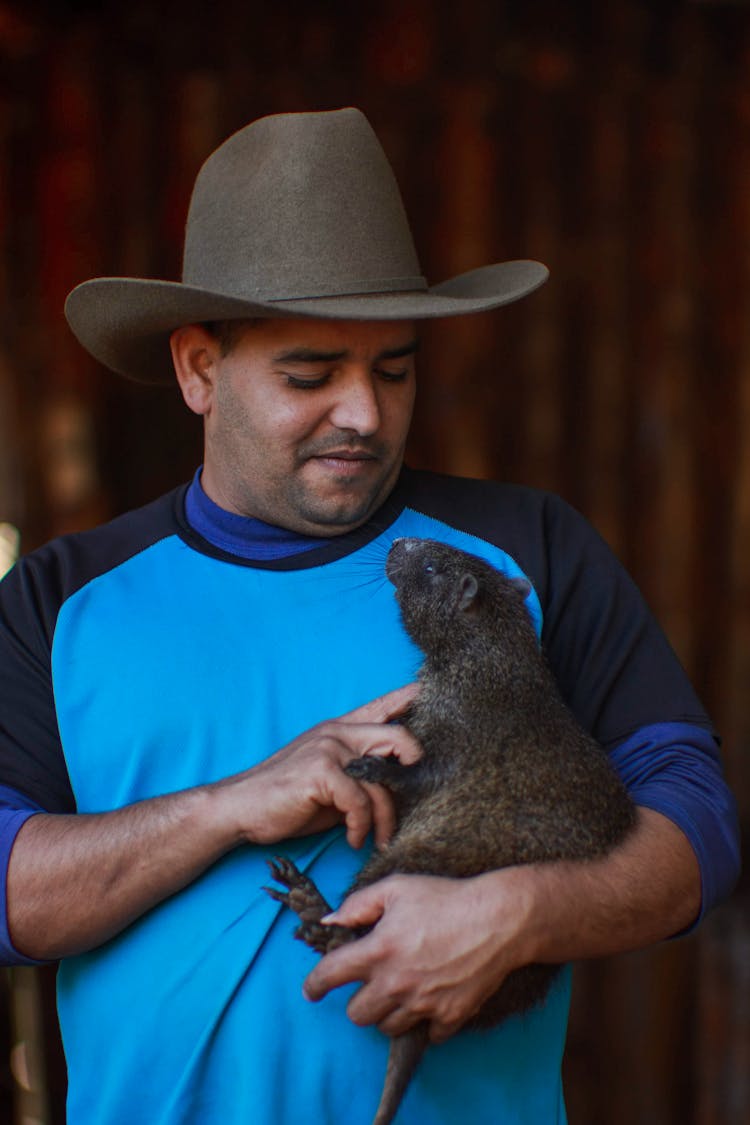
(169, 682)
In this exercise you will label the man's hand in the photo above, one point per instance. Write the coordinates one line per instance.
(75, 881)
(439, 949)
(302, 788)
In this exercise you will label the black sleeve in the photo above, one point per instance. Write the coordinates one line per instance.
(615, 667)
(614, 664)
(32, 760)
(31, 755)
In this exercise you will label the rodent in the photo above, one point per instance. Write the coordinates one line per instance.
(507, 775)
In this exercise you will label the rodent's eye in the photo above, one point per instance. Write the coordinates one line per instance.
(429, 568)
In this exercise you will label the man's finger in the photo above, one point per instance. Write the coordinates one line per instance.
(393, 1023)
(345, 965)
(370, 1006)
(362, 908)
(439, 1032)
(355, 805)
(385, 707)
(383, 740)
(398, 742)
(383, 813)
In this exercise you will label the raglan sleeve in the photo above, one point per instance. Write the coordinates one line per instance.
(621, 677)
(31, 755)
(33, 777)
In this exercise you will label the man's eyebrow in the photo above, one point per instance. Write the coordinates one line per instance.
(401, 352)
(310, 355)
(307, 355)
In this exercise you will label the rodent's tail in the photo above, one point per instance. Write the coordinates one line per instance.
(403, 1059)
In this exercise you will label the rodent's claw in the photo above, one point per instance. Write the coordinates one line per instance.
(283, 870)
(302, 896)
(278, 896)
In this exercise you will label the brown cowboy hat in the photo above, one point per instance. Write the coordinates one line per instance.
(296, 215)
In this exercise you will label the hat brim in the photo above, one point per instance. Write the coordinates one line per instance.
(125, 323)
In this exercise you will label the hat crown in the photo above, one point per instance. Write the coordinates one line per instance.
(299, 205)
(295, 215)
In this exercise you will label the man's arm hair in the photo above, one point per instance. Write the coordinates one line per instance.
(76, 880)
(440, 947)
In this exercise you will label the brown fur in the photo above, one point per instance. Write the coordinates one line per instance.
(507, 774)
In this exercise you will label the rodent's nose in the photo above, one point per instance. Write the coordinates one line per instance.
(394, 564)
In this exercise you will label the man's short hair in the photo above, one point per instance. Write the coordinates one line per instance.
(228, 332)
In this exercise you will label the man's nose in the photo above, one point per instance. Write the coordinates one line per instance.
(356, 406)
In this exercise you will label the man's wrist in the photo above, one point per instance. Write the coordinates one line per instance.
(249, 808)
(646, 890)
(233, 810)
(516, 898)
(559, 911)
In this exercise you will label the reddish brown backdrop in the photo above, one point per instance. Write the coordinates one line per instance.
(610, 141)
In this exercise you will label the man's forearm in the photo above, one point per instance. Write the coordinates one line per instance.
(76, 881)
(647, 889)
(438, 947)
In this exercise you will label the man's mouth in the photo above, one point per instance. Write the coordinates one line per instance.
(345, 455)
(346, 462)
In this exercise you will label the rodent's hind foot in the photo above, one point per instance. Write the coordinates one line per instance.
(301, 895)
(304, 898)
(324, 939)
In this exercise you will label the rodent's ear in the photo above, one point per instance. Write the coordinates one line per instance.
(468, 588)
(523, 586)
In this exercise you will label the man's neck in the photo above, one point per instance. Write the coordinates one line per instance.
(243, 536)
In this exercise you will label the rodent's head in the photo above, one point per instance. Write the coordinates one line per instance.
(442, 591)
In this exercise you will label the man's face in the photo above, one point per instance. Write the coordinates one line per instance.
(308, 420)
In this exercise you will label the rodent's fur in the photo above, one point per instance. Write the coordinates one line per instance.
(507, 774)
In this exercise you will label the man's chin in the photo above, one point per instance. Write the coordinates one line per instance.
(332, 507)
(338, 516)
(336, 523)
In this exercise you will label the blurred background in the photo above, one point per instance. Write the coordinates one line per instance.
(611, 141)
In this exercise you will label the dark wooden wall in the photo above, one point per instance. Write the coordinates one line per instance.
(612, 141)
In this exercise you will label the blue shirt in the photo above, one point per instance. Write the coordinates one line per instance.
(182, 648)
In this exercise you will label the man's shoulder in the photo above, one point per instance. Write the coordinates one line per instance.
(488, 508)
(51, 573)
(548, 538)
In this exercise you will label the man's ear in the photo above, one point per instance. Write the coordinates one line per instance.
(195, 353)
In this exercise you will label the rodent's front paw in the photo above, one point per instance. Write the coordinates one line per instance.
(381, 771)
